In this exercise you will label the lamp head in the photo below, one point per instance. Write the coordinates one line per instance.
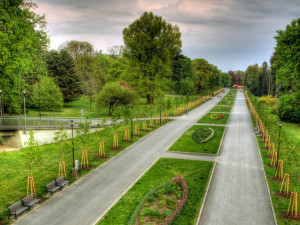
(280, 123)
(0, 91)
(72, 122)
(24, 92)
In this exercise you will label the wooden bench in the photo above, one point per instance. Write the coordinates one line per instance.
(61, 181)
(17, 209)
(52, 187)
(30, 200)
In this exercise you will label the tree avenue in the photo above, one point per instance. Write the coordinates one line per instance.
(150, 45)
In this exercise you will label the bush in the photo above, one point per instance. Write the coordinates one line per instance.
(289, 107)
(47, 95)
(267, 100)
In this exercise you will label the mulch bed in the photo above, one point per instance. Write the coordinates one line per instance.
(276, 179)
(271, 166)
(101, 157)
(114, 148)
(277, 193)
(86, 167)
(289, 216)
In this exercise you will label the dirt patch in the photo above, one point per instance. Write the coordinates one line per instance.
(271, 166)
(282, 194)
(276, 179)
(6, 148)
(289, 216)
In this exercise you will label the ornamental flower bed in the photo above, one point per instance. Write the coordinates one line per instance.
(203, 134)
(225, 107)
(181, 203)
(216, 116)
(163, 204)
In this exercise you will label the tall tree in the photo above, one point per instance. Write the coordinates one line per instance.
(22, 41)
(61, 67)
(202, 70)
(233, 78)
(287, 58)
(150, 45)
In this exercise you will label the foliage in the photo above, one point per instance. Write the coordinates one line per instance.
(287, 54)
(31, 152)
(289, 107)
(82, 132)
(22, 41)
(61, 67)
(150, 46)
(46, 95)
(186, 87)
(113, 95)
(60, 136)
(202, 70)
(225, 79)
(268, 100)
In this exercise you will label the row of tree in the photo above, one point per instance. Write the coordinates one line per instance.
(151, 60)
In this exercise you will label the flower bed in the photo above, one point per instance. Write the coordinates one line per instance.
(203, 134)
(224, 107)
(216, 116)
(163, 204)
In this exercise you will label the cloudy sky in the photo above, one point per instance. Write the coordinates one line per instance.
(230, 34)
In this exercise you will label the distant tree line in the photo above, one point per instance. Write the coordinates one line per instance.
(151, 61)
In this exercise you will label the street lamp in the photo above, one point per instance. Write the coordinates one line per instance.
(160, 108)
(0, 103)
(40, 103)
(72, 125)
(24, 93)
(131, 119)
(280, 124)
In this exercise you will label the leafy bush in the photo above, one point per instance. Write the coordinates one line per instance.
(289, 107)
(267, 100)
(47, 95)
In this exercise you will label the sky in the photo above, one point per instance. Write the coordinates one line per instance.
(231, 34)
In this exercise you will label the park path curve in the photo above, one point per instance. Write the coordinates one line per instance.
(84, 202)
(238, 193)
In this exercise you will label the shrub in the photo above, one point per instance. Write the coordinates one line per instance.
(267, 100)
(289, 107)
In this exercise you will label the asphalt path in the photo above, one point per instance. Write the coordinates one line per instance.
(85, 201)
(238, 193)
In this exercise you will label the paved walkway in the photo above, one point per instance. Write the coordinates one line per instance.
(84, 202)
(238, 193)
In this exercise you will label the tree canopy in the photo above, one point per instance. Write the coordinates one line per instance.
(150, 46)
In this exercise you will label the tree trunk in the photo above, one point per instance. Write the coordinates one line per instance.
(149, 99)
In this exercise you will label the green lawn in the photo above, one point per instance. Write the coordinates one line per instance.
(207, 119)
(186, 143)
(226, 102)
(73, 109)
(196, 174)
(292, 131)
(13, 172)
(218, 108)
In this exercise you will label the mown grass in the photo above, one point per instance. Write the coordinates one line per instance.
(218, 108)
(14, 173)
(186, 143)
(280, 204)
(73, 109)
(206, 119)
(196, 174)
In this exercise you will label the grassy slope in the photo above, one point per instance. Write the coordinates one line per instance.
(196, 173)
(206, 119)
(13, 173)
(186, 143)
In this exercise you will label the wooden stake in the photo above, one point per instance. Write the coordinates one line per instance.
(151, 123)
(84, 160)
(274, 157)
(126, 135)
(30, 185)
(294, 204)
(279, 169)
(116, 141)
(62, 169)
(101, 149)
(145, 125)
(136, 130)
(157, 120)
(285, 182)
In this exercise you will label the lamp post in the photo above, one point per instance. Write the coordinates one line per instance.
(160, 108)
(280, 124)
(131, 119)
(24, 93)
(0, 103)
(72, 125)
(40, 104)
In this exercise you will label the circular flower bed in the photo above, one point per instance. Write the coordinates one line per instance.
(203, 134)
(216, 116)
(228, 99)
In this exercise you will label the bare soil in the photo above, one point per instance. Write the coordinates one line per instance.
(289, 216)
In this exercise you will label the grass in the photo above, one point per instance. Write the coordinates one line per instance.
(207, 119)
(73, 109)
(14, 173)
(196, 174)
(186, 143)
(280, 204)
(218, 108)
